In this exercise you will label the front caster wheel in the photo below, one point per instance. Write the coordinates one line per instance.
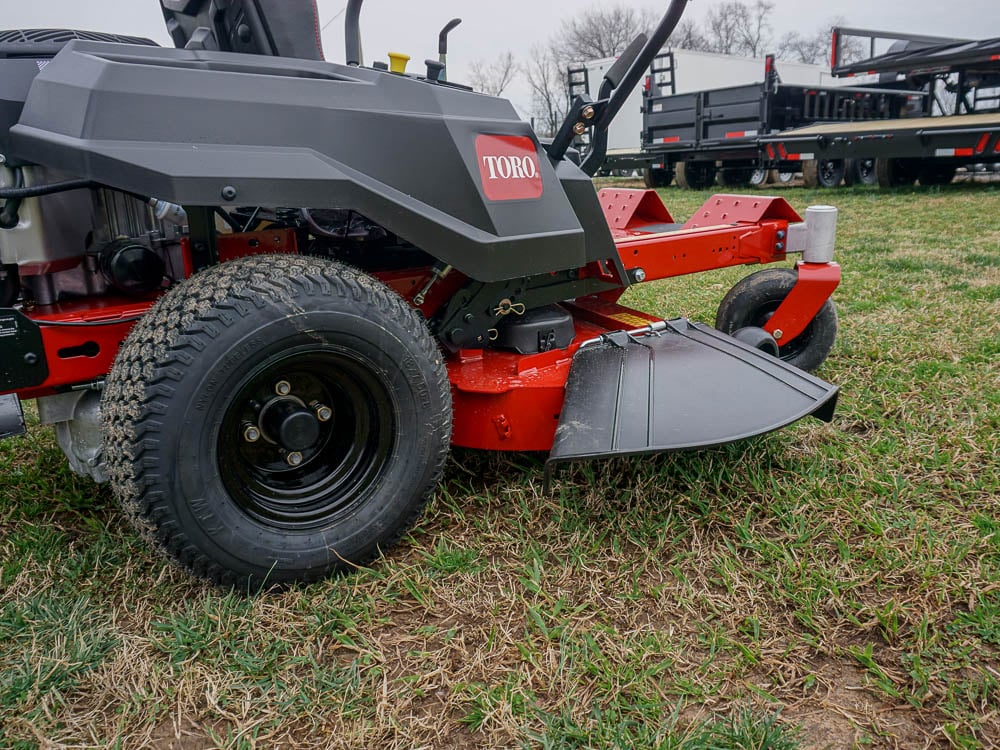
(752, 302)
(274, 420)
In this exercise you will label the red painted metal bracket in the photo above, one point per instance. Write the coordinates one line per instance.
(816, 283)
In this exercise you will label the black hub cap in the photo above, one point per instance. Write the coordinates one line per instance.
(287, 422)
(301, 472)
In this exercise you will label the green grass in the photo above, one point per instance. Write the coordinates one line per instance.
(824, 586)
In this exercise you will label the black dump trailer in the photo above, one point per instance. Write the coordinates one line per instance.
(957, 126)
(702, 136)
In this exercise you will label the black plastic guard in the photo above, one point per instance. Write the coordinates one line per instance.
(11, 416)
(681, 387)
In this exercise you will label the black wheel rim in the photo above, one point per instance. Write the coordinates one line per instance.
(866, 171)
(334, 475)
(830, 173)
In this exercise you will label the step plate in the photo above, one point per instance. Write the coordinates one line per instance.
(11, 416)
(683, 387)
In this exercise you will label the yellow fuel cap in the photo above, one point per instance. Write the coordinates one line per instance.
(397, 62)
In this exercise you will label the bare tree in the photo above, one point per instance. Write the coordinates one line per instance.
(815, 48)
(600, 32)
(493, 77)
(546, 78)
(689, 35)
(736, 28)
(804, 49)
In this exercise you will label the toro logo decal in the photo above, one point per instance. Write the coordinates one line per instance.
(509, 167)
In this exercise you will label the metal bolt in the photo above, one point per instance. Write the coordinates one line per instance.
(778, 333)
(639, 275)
(294, 458)
(229, 193)
(781, 234)
(323, 413)
(251, 433)
(588, 112)
(31, 358)
(779, 246)
(282, 387)
(580, 128)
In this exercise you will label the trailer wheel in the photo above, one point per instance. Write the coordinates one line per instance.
(892, 173)
(760, 177)
(827, 173)
(275, 420)
(860, 172)
(786, 176)
(752, 302)
(695, 175)
(937, 174)
(657, 178)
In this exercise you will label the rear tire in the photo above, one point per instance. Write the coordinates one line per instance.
(752, 302)
(695, 175)
(210, 361)
(825, 173)
(894, 173)
(657, 178)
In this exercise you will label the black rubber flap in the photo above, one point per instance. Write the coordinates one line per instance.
(686, 386)
(11, 417)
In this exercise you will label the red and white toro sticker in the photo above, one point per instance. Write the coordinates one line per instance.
(509, 167)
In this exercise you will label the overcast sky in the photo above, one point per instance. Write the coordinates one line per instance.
(490, 28)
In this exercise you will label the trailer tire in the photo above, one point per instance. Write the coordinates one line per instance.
(937, 174)
(695, 175)
(860, 172)
(263, 344)
(825, 173)
(894, 173)
(752, 302)
(657, 178)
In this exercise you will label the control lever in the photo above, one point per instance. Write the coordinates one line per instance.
(443, 47)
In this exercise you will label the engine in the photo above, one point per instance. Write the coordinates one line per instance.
(83, 243)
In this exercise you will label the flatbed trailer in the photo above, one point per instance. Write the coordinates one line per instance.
(703, 135)
(926, 107)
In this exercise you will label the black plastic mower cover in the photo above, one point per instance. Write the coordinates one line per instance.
(684, 386)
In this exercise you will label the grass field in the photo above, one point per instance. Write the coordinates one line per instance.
(824, 586)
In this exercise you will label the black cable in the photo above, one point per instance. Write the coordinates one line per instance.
(36, 191)
(8, 216)
(67, 324)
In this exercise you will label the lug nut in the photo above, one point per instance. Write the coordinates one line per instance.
(282, 387)
(294, 458)
(251, 433)
(580, 128)
(323, 413)
(588, 112)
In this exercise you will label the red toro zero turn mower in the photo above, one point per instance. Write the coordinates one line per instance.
(262, 294)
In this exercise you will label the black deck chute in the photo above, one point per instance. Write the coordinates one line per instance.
(682, 387)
